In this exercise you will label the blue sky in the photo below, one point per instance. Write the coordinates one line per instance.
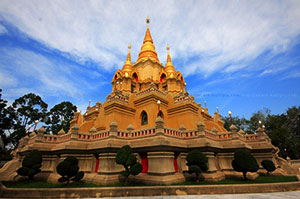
(238, 55)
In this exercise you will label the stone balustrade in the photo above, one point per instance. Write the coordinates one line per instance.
(142, 133)
(151, 89)
(117, 96)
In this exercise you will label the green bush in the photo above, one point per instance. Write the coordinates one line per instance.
(244, 162)
(268, 165)
(31, 164)
(197, 162)
(129, 162)
(69, 170)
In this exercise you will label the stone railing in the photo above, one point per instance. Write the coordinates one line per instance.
(130, 133)
(136, 134)
(183, 98)
(117, 96)
(50, 138)
(224, 136)
(151, 89)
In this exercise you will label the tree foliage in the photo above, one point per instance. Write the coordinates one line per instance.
(69, 170)
(268, 165)
(59, 117)
(6, 120)
(25, 111)
(197, 162)
(127, 159)
(283, 129)
(31, 164)
(244, 162)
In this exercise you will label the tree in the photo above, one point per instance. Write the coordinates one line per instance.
(268, 165)
(31, 164)
(25, 111)
(6, 120)
(129, 162)
(240, 123)
(69, 170)
(59, 117)
(244, 162)
(284, 132)
(197, 162)
(261, 115)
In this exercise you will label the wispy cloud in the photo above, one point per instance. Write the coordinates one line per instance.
(23, 69)
(291, 74)
(3, 30)
(220, 35)
(6, 78)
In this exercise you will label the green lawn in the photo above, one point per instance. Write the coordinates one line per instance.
(42, 184)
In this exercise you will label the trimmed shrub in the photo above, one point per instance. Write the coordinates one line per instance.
(268, 165)
(129, 162)
(244, 162)
(69, 170)
(31, 164)
(197, 162)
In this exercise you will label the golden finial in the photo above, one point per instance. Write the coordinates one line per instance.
(148, 48)
(169, 66)
(128, 65)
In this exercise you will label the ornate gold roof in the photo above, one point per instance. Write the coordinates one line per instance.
(128, 65)
(169, 65)
(148, 48)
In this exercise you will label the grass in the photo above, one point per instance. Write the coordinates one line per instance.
(43, 184)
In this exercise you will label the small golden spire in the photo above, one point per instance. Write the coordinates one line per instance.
(148, 48)
(128, 65)
(169, 65)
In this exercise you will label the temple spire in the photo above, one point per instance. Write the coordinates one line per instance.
(128, 65)
(169, 65)
(148, 48)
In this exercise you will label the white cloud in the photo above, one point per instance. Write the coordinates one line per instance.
(3, 30)
(213, 33)
(7, 79)
(31, 70)
(290, 75)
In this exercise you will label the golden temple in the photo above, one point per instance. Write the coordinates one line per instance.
(150, 110)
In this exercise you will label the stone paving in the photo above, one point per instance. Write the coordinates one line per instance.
(285, 195)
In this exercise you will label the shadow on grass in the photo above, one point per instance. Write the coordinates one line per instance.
(43, 184)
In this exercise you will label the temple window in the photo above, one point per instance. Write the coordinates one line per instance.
(162, 77)
(144, 118)
(115, 77)
(135, 77)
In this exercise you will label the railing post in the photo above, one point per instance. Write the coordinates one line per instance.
(201, 128)
(74, 132)
(130, 128)
(113, 129)
(40, 134)
(261, 133)
(159, 128)
(233, 130)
